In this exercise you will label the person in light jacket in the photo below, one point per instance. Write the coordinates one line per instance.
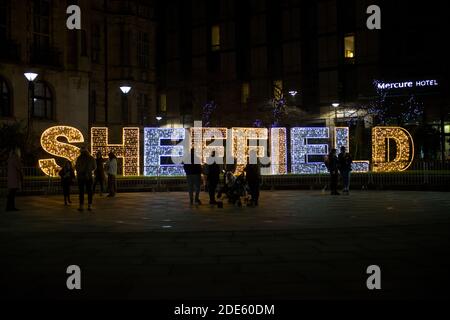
(15, 178)
(111, 167)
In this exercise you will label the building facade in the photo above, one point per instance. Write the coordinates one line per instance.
(240, 62)
(243, 54)
(80, 72)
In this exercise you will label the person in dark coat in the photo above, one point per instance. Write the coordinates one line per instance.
(99, 174)
(85, 167)
(213, 177)
(15, 179)
(332, 164)
(193, 171)
(253, 177)
(67, 175)
(345, 167)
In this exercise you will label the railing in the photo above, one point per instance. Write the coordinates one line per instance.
(429, 175)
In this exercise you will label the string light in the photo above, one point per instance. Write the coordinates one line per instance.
(50, 144)
(208, 140)
(245, 140)
(128, 150)
(278, 151)
(301, 149)
(154, 151)
(381, 152)
(341, 138)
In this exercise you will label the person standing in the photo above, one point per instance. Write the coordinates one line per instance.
(85, 166)
(253, 176)
(193, 172)
(67, 176)
(15, 178)
(111, 167)
(99, 173)
(332, 164)
(213, 174)
(345, 168)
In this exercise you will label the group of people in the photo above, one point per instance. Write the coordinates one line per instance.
(212, 171)
(96, 171)
(90, 172)
(339, 164)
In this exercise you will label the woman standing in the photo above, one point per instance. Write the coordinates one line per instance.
(111, 166)
(99, 174)
(15, 178)
(67, 176)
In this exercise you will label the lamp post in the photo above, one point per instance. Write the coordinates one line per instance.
(335, 106)
(125, 90)
(158, 118)
(30, 76)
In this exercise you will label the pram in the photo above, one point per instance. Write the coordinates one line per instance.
(235, 188)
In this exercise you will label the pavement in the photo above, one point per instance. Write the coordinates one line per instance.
(295, 245)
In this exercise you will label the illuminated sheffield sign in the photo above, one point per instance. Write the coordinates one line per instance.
(407, 84)
(165, 150)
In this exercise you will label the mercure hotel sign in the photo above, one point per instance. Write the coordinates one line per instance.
(407, 84)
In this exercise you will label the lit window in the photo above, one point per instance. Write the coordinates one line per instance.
(215, 38)
(349, 44)
(163, 103)
(245, 94)
(278, 89)
(447, 128)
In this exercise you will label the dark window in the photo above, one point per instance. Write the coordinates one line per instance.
(93, 107)
(96, 48)
(142, 109)
(5, 99)
(143, 49)
(83, 43)
(42, 101)
(41, 25)
(4, 20)
(124, 47)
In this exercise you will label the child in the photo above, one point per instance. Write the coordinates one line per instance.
(67, 176)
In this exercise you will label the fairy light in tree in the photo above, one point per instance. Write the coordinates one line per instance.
(244, 140)
(173, 148)
(302, 149)
(128, 150)
(51, 144)
(278, 151)
(381, 152)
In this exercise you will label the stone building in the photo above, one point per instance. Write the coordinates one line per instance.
(79, 71)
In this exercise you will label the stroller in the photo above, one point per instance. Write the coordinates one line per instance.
(235, 188)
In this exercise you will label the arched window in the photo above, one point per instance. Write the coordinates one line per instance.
(42, 101)
(5, 99)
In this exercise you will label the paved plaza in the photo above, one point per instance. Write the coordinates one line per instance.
(297, 244)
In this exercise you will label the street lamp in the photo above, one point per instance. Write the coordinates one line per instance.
(293, 93)
(335, 106)
(125, 90)
(30, 76)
